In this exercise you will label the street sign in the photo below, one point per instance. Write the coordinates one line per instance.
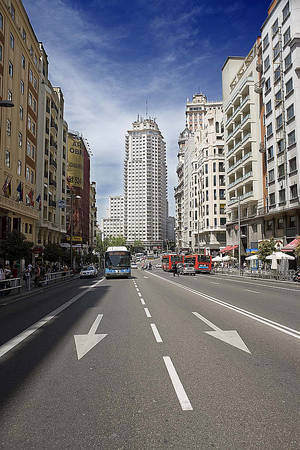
(61, 204)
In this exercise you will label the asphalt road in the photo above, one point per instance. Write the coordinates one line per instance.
(157, 362)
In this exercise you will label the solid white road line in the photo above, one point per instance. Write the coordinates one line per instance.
(5, 348)
(255, 292)
(180, 392)
(156, 333)
(143, 301)
(147, 312)
(255, 284)
(249, 314)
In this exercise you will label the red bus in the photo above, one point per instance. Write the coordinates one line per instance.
(168, 260)
(202, 263)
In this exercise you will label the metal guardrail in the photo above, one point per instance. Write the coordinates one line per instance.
(56, 276)
(8, 285)
(264, 274)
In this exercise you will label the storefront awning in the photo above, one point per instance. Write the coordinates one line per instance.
(228, 248)
(291, 246)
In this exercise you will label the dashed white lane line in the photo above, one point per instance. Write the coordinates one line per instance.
(156, 333)
(255, 292)
(147, 312)
(179, 389)
(137, 290)
(213, 282)
(5, 348)
(139, 294)
(143, 301)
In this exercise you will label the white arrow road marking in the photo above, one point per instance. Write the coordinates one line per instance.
(231, 337)
(5, 348)
(85, 342)
(156, 333)
(270, 323)
(179, 389)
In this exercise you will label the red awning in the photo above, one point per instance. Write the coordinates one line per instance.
(228, 248)
(291, 246)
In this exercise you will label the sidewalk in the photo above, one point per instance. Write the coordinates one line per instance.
(253, 277)
(13, 298)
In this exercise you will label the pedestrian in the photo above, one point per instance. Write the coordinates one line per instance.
(27, 278)
(2, 278)
(37, 273)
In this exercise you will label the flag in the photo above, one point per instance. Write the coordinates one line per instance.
(6, 188)
(30, 195)
(39, 201)
(20, 191)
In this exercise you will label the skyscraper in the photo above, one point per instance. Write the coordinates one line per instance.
(145, 184)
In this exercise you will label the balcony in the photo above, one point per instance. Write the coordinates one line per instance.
(46, 173)
(52, 162)
(52, 183)
(52, 203)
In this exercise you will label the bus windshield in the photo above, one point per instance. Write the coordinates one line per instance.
(117, 259)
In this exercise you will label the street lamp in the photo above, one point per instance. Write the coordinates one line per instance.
(239, 228)
(72, 196)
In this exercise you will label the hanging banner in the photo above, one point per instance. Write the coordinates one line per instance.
(75, 162)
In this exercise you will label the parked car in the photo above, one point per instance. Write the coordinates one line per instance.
(187, 269)
(88, 272)
(134, 265)
(158, 266)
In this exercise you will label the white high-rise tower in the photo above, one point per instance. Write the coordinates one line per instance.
(145, 184)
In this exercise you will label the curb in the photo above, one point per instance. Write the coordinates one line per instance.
(269, 280)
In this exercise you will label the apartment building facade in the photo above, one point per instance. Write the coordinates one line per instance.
(93, 216)
(19, 83)
(51, 159)
(113, 225)
(245, 171)
(145, 184)
(280, 36)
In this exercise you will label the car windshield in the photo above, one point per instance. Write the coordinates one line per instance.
(90, 268)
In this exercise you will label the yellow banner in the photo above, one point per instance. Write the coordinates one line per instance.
(75, 238)
(75, 162)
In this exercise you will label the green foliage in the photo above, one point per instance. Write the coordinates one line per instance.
(15, 247)
(113, 241)
(266, 248)
(53, 252)
(137, 246)
(297, 250)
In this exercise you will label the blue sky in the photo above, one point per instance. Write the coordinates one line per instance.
(109, 56)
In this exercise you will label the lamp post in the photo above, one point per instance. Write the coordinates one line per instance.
(72, 196)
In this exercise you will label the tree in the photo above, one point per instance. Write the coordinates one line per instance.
(297, 250)
(16, 247)
(137, 246)
(266, 248)
(53, 252)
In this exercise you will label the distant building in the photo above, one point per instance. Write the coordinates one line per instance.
(93, 216)
(113, 225)
(170, 229)
(145, 184)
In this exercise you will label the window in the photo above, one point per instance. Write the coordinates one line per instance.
(266, 41)
(254, 228)
(23, 63)
(9, 95)
(276, 74)
(22, 86)
(7, 158)
(28, 149)
(290, 112)
(34, 105)
(1, 52)
(27, 173)
(287, 36)
(215, 180)
(291, 138)
(11, 41)
(289, 86)
(278, 96)
(10, 69)
(266, 63)
(8, 127)
(222, 194)
(34, 83)
(288, 61)
(268, 107)
(1, 22)
(29, 99)
(21, 113)
(271, 175)
(281, 171)
(270, 222)
(269, 130)
(274, 27)
(276, 50)
(20, 139)
(33, 152)
(293, 191)
(272, 202)
(280, 146)
(24, 35)
(286, 11)
(280, 223)
(293, 164)
(282, 196)
(19, 168)
(270, 152)
(30, 76)
(279, 121)
(32, 176)
(267, 85)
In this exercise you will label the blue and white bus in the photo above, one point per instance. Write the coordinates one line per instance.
(117, 262)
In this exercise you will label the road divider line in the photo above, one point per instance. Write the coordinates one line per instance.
(270, 323)
(139, 294)
(179, 389)
(155, 332)
(143, 301)
(147, 312)
(255, 292)
(5, 348)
